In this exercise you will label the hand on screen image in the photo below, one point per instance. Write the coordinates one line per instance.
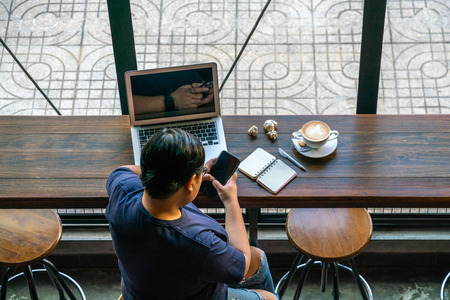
(192, 96)
(188, 96)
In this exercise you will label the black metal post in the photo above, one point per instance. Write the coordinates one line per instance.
(370, 61)
(122, 36)
(253, 216)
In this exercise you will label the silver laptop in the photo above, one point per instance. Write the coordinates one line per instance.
(185, 97)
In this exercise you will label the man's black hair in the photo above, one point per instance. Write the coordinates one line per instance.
(168, 161)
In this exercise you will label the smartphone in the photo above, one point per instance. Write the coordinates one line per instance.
(208, 84)
(222, 170)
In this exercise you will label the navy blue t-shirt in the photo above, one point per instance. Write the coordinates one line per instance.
(188, 258)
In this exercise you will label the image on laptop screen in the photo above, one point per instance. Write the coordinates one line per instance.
(172, 93)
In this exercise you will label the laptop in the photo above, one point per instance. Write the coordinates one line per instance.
(185, 97)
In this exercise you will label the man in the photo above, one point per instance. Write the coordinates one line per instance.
(166, 247)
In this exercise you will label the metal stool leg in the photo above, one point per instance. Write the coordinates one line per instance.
(335, 272)
(50, 267)
(358, 279)
(365, 290)
(30, 281)
(286, 279)
(324, 276)
(56, 283)
(55, 276)
(77, 286)
(4, 286)
(303, 278)
(444, 283)
(363, 281)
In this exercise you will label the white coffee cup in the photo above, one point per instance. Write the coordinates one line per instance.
(316, 134)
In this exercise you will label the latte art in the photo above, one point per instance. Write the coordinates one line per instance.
(316, 132)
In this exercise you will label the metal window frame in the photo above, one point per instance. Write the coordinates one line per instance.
(122, 36)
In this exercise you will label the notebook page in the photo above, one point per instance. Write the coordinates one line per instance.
(276, 176)
(256, 162)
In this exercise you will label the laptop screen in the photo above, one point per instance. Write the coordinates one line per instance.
(172, 94)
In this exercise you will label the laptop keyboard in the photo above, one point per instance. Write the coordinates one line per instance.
(205, 132)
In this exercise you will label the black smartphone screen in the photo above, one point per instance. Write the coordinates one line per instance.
(222, 170)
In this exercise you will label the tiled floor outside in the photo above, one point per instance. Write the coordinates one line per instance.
(302, 59)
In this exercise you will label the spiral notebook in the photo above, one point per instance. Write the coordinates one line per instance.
(269, 172)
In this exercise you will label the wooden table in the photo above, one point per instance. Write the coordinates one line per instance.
(381, 161)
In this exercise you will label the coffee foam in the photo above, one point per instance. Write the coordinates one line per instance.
(316, 131)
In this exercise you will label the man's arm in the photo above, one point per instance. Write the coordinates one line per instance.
(135, 169)
(234, 223)
(188, 96)
(147, 104)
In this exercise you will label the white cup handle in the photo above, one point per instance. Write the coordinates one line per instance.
(333, 135)
(297, 134)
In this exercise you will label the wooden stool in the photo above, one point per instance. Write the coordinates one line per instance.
(327, 236)
(28, 236)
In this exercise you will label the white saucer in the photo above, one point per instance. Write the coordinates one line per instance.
(323, 151)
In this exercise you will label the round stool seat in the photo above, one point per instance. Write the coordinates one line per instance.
(28, 235)
(329, 234)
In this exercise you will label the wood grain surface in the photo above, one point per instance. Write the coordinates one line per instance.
(380, 161)
(27, 235)
(329, 234)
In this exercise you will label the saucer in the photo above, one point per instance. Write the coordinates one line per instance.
(323, 151)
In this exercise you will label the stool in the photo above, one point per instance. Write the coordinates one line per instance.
(27, 237)
(444, 283)
(327, 236)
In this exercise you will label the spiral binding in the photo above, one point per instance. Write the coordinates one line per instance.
(267, 167)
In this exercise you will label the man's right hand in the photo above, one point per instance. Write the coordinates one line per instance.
(228, 192)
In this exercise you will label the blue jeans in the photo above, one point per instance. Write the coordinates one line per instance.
(262, 280)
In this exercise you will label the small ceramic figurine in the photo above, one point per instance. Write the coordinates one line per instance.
(272, 134)
(270, 125)
(253, 131)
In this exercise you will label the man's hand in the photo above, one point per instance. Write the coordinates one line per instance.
(208, 166)
(228, 192)
(207, 97)
(189, 96)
